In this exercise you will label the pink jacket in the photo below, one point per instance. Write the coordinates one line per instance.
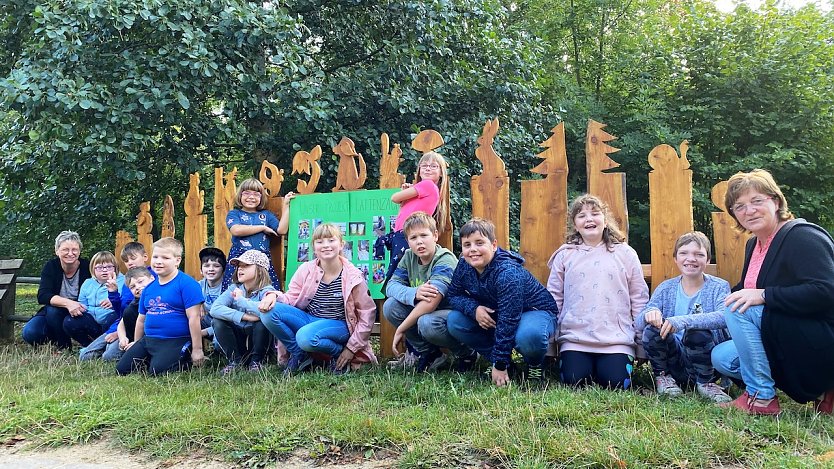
(360, 309)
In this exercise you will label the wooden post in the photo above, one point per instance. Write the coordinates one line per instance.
(307, 163)
(728, 249)
(272, 178)
(670, 207)
(122, 238)
(168, 227)
(349, 177)
(8, 287)
(610, 187)
(426, 141)
(491, 189)
(144, 225)
(544, 206)
(196, 226)
(224, 201)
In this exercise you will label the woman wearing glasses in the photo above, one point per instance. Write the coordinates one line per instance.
(61, 279)
(781, 313)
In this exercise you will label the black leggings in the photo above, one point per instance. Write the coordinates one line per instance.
(160, 356)
(610, 370)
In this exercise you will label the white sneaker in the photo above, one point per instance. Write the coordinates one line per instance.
(713, 392)
(406, 361)
(443, 361)
(667, 386)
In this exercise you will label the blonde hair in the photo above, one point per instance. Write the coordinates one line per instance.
(250, 184)
(611, 234)
(135, 272)
(169, 244)
(102, 257)
(758, 180)
(441, 213)
(419, 220)
(327, 230)
(261, 278)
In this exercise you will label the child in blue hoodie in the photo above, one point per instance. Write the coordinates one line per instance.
(498, 305)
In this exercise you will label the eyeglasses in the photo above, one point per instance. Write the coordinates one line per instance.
(756, 202)
(104, 267)
(254, 194)
(430, 166)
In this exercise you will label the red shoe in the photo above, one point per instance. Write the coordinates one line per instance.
(826, 405)
(750, 405)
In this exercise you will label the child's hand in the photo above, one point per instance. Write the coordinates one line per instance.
(290, 195)
(426, 292)
(111, 337)
(482, 315)
(197, 357)
(399, 339)
(237, 293)
(106, 304)
(500, 378)
(111, 283)
(654, 318)
(124, 344)
(269, 231)
(405, 186)
(267, 303)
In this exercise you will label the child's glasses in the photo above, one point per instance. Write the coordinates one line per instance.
(104, 267)
(429, 166)
(254, 194)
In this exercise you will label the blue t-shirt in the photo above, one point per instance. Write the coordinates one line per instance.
(257, 241)
(210, 293)
(164, 306)
(685, 304)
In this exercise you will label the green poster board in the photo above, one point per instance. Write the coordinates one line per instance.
(362, 216)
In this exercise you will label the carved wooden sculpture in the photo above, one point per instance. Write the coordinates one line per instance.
(224, 201)
(389, 163)
(349, 177)
(168, 228)
(272, 178)
(728, 250)
(122, 238)
(610, 187)
(670, 207)
(196, 226)
(544, 206)
(307, 163)
(491, 189)
(144, 225)
(426, 141)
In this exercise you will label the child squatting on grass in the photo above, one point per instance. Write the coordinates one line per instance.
(168, 326)
(327, 309)
(417, 303)
(498, 305)
(242, 337)
(684, 320)
(86, 326)
(597, 282)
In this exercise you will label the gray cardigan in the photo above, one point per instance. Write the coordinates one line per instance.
(713, 293)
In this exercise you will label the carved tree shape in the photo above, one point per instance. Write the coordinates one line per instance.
(349, 177)
(555, 154)
(307, 163)
(610, 187)
(389, 163)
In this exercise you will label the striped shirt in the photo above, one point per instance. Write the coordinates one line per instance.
(328, 302)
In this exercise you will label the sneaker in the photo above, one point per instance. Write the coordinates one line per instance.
(534, 374)
(826, 404)
(228, 369)
(439, 363)
(465, 364)
(713, 392)
(297, 363)
(667, 386)
(753, 406)
(426, 359)
(256, 367)
(406, 361)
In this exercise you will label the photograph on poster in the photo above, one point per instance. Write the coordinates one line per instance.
(357, 228)
(366, 273)
(379, 250)
(379, 225)
(342, 227)
(347, 250)
(303, 252)
(303, 229)
(316, 223)
(393, 222)
(379, 273)
(363, 253)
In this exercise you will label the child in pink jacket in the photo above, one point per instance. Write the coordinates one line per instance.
(597, 282)
(327, 309)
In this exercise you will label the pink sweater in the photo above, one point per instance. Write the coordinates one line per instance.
(360, 309)
(599, 294)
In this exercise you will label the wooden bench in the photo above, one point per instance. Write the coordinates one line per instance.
(8, 285)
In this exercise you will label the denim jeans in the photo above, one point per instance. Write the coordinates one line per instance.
(99, 348)
(430, 330)
(47, 327)
(240, 344)
(84, 328)
(744, 357)
(301, 332)
(687, 360)
(531, 337)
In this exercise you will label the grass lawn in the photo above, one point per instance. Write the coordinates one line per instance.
(427, 420)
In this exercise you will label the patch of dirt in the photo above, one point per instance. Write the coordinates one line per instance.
(103, 455)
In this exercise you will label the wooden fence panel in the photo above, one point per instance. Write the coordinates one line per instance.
(491, 189)
(168, 228)
(144, 225)
(272, 178)
(610, 187)
(196, 226)
(224, 202)
(728, 250)
(122, 238)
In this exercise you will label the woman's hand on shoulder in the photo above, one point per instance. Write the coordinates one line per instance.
(268, 301)
(740, 300)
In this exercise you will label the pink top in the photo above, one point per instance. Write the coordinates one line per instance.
(428, 196)
(756, 261)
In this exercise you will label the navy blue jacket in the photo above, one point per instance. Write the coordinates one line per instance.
(505, 286)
